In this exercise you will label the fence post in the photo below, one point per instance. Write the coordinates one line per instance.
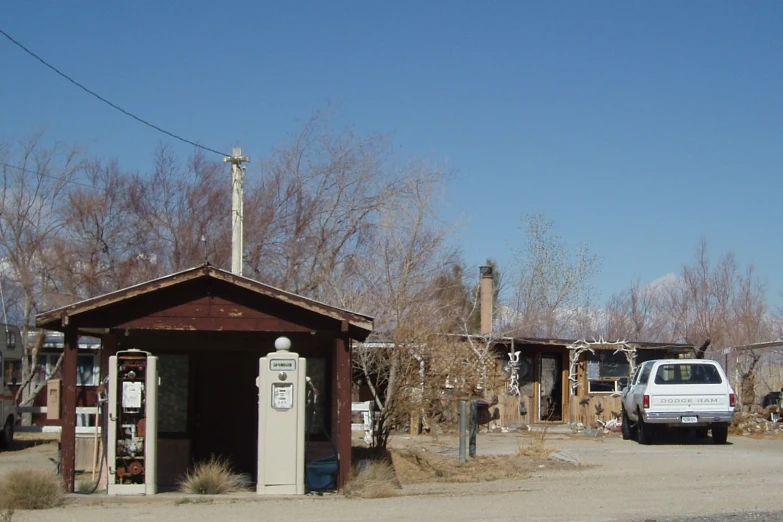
(473, 428)
(463, 428)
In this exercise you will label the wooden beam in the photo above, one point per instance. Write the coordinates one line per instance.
(68, 436)
(213, 324)
(341, 404)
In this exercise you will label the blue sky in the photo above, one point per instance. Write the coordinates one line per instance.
(637, 127)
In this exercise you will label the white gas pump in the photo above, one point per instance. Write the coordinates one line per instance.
(132, 423)
(281, 422)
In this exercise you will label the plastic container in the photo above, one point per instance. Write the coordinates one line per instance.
(321, 474)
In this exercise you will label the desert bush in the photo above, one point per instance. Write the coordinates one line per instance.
(30, 489)
(211, 477)
(376, 479)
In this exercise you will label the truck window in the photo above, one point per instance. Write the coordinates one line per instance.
(645, 376)
(685, 373)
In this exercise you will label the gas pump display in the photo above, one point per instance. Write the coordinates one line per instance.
(132, 434)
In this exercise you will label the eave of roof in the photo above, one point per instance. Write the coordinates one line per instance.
(54, 319)
(543, 341)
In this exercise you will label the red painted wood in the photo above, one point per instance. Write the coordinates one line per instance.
(268, 324)
(341, 413)
(68, 436)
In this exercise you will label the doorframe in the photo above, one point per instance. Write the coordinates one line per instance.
(537, 359)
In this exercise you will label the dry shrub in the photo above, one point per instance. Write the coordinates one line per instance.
(417, 465)
(30, 489)
(375, 480)
(535, 448)
(212, 477)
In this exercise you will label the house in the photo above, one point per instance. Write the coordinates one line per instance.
(561, 380)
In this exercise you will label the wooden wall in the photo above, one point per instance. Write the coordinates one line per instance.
(587, 413)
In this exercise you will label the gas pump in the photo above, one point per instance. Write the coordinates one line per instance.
(281, 422)
(132, 423)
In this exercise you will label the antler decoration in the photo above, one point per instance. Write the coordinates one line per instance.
(513, 385)
(579, 347)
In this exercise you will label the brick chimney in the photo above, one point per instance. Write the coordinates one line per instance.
(486, 292)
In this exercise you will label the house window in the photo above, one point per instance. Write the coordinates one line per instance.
(10, 339)
(87, 370)
(609, 386)
(46, 365)
(12, 370)
(604, 367)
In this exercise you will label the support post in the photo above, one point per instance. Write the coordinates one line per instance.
(341, 405)
(237, 207)
(473, 428)
(463, 428)
(68, 435)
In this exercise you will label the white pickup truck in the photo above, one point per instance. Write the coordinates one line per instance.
(679, 393)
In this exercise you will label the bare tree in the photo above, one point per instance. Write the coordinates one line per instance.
(718, 302)
(316, 205)
(101, 244)
(182, 213)
(34, 191)
(635, 315)
(552, 281)
(399, 272)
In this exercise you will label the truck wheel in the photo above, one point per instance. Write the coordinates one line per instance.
(720, 434)
(629, 432)
(644, 433)
(7, 436)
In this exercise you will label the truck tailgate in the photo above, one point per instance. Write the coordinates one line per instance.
(685, 398)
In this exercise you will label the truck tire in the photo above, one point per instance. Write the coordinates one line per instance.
(628, 431)
(7, 435)
(644, 432)
(720, 434)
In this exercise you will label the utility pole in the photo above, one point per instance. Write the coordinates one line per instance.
(237, 207)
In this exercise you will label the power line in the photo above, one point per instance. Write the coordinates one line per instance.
(45, 175)
(104, 100)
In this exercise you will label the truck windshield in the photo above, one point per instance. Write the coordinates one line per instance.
(684, 373)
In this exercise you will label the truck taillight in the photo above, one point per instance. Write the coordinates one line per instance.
(646, 402)
(732, 399)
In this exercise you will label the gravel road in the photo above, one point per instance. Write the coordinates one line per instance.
(676, 481)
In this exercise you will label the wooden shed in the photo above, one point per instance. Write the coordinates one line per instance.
(209, 327)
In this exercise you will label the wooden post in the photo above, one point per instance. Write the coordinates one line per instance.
(341, 404)
(68, 435)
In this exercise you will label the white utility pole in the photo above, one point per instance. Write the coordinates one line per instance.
(237, 207)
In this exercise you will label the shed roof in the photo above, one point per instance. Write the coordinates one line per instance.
(121, 307)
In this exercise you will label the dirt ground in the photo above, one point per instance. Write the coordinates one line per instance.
(617, 481)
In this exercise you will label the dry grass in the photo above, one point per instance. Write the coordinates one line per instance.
(418, 465)
(30, 489)
(534, 448)
(212, 477)
(86, 486)
(375, 480)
